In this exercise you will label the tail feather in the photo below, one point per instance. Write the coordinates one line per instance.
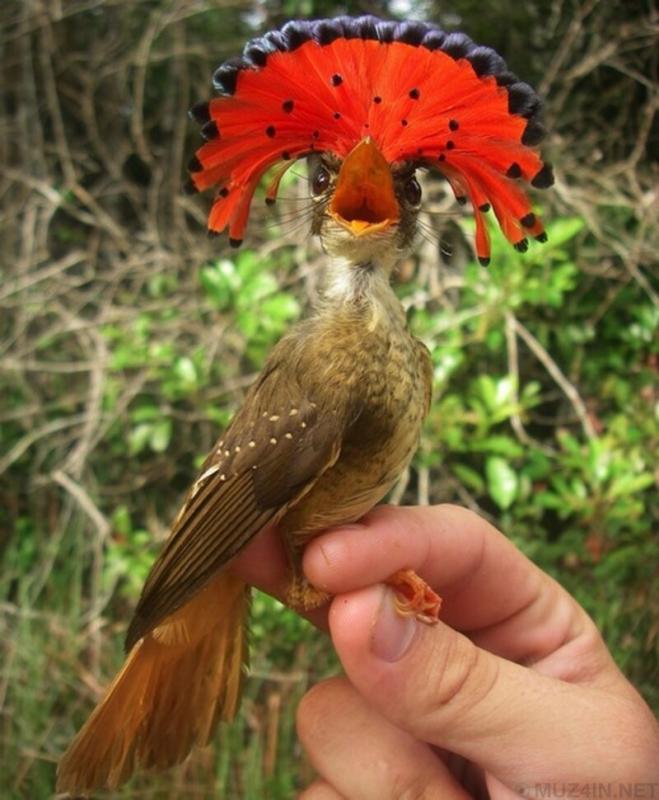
(176, 684)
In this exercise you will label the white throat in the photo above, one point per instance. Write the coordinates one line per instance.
(363, 289)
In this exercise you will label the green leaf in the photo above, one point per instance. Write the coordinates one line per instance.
(138, 438)
(280, 307)
(469, 477)
(499, 445)
(185, 370)
(255, 289)
(630, 484)
(121, 520)
(161, 433)
(487, 389)
(220, 282)
(501, 481)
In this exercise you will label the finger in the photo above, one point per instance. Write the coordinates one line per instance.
(489, 588)
(361, 755)
(263, 564)
(438, 686)
(320, 790)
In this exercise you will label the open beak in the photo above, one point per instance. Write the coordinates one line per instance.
(364, 201)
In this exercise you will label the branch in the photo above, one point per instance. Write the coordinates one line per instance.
(554, 370)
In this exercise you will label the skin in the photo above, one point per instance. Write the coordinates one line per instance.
(512, 691)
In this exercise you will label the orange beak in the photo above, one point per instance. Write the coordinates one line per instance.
(364, 201)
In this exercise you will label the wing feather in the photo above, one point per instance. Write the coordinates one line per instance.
(270, 456)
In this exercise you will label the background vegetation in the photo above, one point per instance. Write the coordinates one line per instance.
(127, 338)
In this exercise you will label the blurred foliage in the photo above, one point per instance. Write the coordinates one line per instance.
(127, 339)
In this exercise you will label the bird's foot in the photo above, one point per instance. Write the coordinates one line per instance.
(302, 596)
(414, 597)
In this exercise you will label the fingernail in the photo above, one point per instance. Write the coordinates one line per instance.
(392, 632)
(332, 548)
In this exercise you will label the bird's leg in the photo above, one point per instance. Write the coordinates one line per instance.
(300, 594)
(414, 597)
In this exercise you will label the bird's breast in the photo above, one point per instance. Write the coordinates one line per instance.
(388, 375)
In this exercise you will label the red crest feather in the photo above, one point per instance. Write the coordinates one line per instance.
(422, 95)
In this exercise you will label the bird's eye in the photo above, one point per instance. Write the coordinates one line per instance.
(412, 191)
(320, 180)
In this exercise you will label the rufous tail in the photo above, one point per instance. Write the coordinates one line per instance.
(176, 684)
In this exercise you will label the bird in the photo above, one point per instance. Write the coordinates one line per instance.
(335, 415)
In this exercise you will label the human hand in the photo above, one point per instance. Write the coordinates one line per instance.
(514, 690)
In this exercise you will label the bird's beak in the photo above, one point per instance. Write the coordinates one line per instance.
(364, 201)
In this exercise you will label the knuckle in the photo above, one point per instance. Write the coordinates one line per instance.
(410, 787)
(315, 708)
(319, 790)
(464, 677)
(310, 710)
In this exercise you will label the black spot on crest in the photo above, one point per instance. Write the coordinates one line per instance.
(210, 130)
(410, 32)
(544, 178)
(336, 79)
(434, 39)
(287, 106)
(457, 45)
(415, 94)
(327, 31)
(453, 124)
(522, 100)
(506, 78)
(200, 112)
(270, 131)
(189, 187)
(296, 33)
(485, 61)
(225, 76)
(514, 170)
(365, 27)
(256, 54)
(534, 133)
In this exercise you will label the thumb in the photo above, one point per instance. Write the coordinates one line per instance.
(519, 725)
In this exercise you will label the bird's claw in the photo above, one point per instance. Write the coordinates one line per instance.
(414, 597)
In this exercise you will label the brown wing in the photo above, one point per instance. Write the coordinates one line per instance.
(276, 447)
